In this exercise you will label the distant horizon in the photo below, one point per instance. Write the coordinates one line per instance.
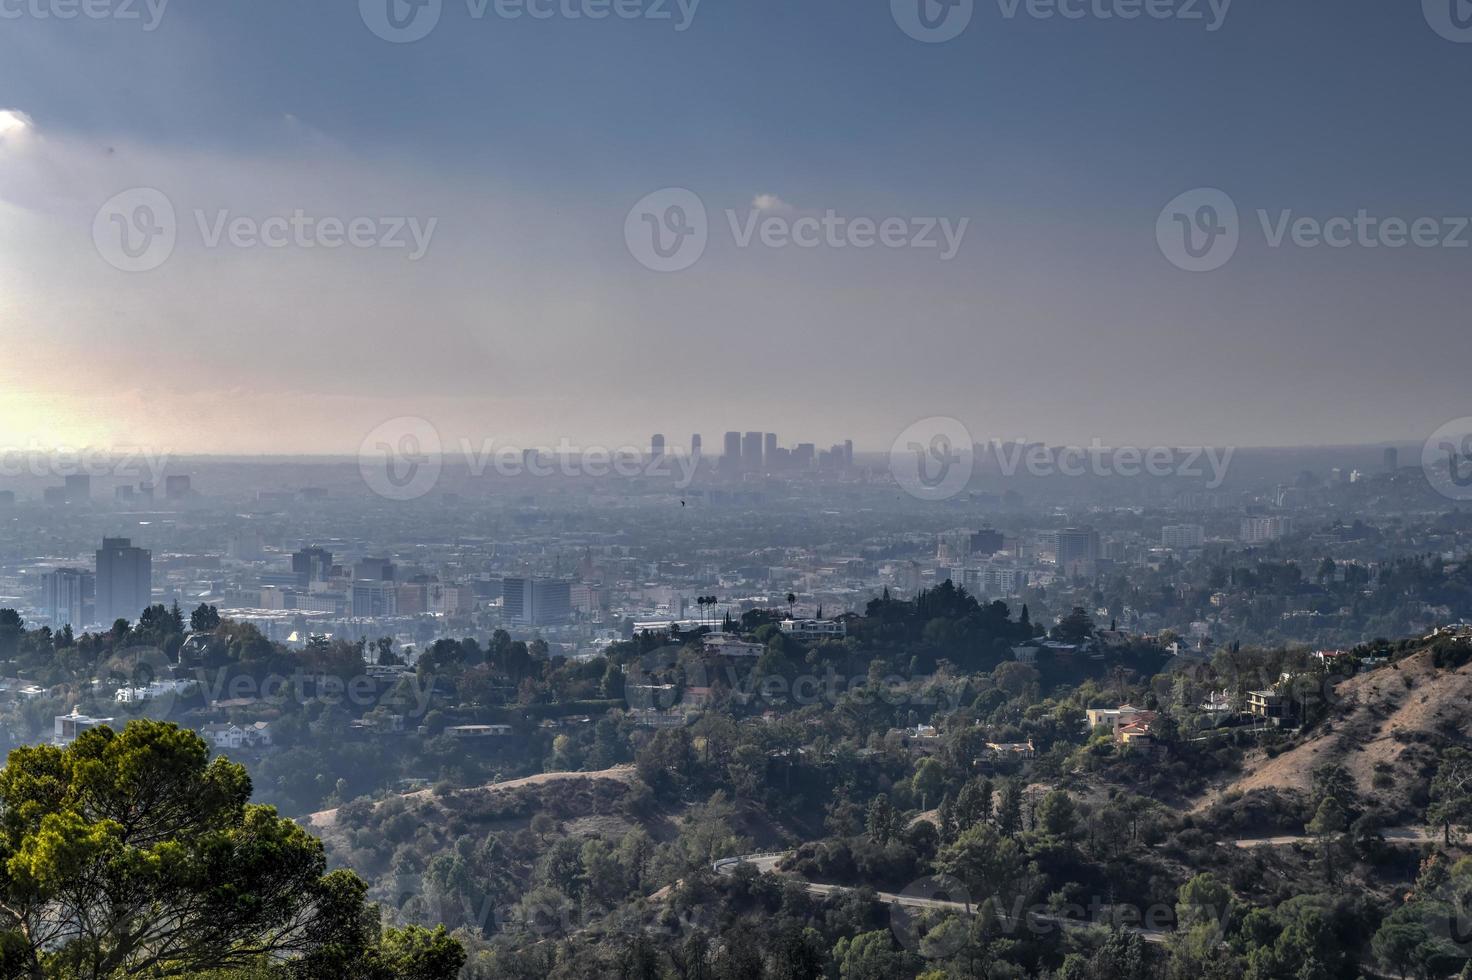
(674, 448)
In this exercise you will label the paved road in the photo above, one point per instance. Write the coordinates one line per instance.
(767, 864)
(1393, 835)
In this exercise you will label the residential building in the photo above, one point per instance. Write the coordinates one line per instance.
(726, 645)
(68, 597)
(814, 629)
(68, 727)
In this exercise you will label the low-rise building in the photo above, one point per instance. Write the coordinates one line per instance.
(68, 727)
(1267, 704)
(726, 645)
(814, 629)
(478, 731)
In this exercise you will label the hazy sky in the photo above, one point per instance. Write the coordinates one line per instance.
(529, 318)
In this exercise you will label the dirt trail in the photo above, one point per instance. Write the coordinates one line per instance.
(325, 819)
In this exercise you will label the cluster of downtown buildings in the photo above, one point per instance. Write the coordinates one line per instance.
(300, 549)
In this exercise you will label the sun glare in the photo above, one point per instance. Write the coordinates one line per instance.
(13, 122)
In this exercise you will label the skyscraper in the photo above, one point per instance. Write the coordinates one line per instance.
(535, 601)
(751, 452)
(769, 447)
(732, 458)
(124, 580)
(67, 596)
(78, 489)
(311, 565)
(656, 445)
(695, 445)
(1076, 544)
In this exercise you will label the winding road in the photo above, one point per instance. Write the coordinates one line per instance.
(766, 863)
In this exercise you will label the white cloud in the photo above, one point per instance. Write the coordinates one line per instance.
(770, 202)
(14, 123)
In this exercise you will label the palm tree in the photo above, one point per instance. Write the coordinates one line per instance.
(791, 601)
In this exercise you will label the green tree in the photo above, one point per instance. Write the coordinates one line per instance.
(1057, 815)
(134, 853)
(204, 619)
(928, 781)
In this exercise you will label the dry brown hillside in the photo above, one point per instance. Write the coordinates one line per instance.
(1384, 729)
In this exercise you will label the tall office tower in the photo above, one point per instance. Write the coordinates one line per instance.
(804, 456)
(67, 596)
(373, 570)
(536, 601)
(656, 446)
(848, 453)
(731, 460)
(373, 598)
(124, 580)
(769, 447)
(1391, 460)
(987, 541)
(1076, 544)
(695, 445)
(311, 565)
(78, 489)
(751, 452)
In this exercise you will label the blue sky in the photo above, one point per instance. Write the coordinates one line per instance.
(529, 140)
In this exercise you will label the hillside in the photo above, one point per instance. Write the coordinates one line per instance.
(1385, 728)
(573, 782)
